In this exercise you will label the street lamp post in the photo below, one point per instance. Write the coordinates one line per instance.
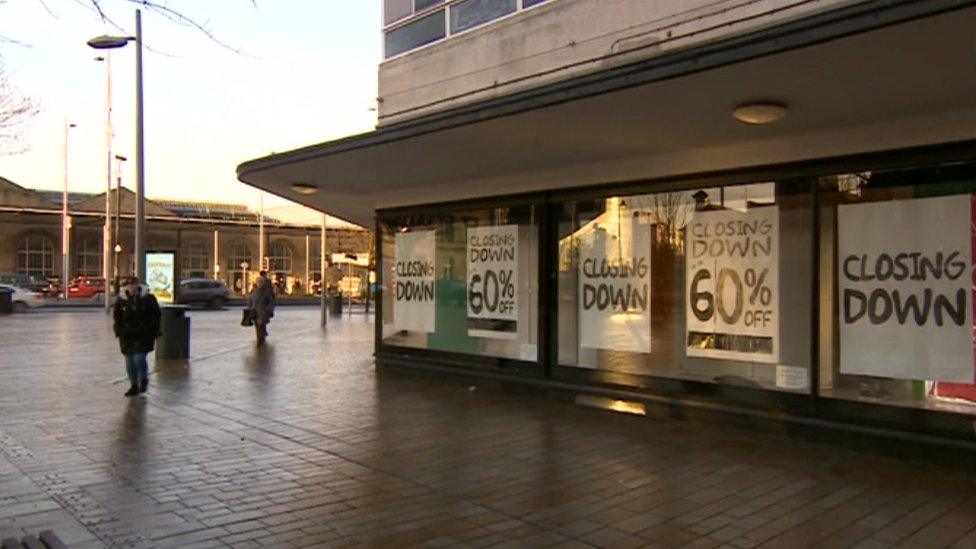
(110, 42)
(107, 232)
(65, 248)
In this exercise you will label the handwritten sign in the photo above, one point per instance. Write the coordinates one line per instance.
(732, 282)
(492, 261)
(615, 289)
(904, 269)
(414, 286)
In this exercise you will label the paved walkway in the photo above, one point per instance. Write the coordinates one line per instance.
(301, 443)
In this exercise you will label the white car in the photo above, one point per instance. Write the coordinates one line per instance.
(23, 299)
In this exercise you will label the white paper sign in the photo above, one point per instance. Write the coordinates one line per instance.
(492, 258)
(905, 279)
(615, 289)
(732, 285)
(792, 377)
(413, 305)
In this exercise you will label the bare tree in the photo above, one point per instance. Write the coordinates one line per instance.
(15, 111)
(164, 9)
(672, 211)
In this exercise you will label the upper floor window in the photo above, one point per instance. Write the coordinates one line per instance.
(409, 24)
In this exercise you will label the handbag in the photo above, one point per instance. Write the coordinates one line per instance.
(246, 319)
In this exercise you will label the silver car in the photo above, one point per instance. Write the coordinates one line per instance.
(22, 298)
(204, 291)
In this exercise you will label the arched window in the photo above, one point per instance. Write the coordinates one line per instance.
(35, 256)
(195, 262)
(88, 257)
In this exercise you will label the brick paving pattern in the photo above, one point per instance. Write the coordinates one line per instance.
(302, 443)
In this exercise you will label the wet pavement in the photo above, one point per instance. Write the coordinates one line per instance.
(302, 443)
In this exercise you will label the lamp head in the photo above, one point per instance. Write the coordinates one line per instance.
(106, 42)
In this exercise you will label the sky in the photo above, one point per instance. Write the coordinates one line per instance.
(306, 73)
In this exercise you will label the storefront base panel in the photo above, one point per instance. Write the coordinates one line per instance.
(903, 432)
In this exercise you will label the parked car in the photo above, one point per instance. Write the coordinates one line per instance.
(27, 282)
(24, 299)
(86, 287)
(213, 293)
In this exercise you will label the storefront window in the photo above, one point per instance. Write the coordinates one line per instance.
(463, 282)
(896, 285)
(710, 285)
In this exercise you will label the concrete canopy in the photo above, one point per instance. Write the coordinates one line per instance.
(859, 80)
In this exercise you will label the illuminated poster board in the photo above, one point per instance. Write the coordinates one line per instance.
(161, 275)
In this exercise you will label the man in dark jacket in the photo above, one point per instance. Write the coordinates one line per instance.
(136, 325)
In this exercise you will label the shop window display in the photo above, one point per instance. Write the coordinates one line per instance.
(690, 284)
(896, 286)
(463, 282)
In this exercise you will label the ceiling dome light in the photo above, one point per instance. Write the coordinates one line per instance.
(304, 188)
(762, 112)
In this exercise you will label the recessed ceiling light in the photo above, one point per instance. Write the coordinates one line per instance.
(760, 112)
(304, 188)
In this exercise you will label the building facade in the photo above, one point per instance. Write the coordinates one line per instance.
(211, 240)
(760, 208)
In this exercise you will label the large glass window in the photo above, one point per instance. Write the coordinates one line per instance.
(237, 255)
(35, 256)
(530, 3)
(195, 262)
(88, 257)
(711, 285)
(463, 282)
(279, 264)
(896, 285)
(472, 13)
(415, 34)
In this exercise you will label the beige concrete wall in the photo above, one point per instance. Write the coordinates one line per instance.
(563, 39)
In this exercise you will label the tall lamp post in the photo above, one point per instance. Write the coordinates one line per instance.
(107, 232)
(65, 229)
(110, 42)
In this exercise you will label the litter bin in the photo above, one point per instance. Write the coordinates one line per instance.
(174, 342)
(6, 301)
(335, 304)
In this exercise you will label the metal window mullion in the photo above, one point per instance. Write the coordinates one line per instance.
(447, 19)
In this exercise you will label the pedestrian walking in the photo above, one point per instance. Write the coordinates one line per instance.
(136, 315)
(261, 303)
